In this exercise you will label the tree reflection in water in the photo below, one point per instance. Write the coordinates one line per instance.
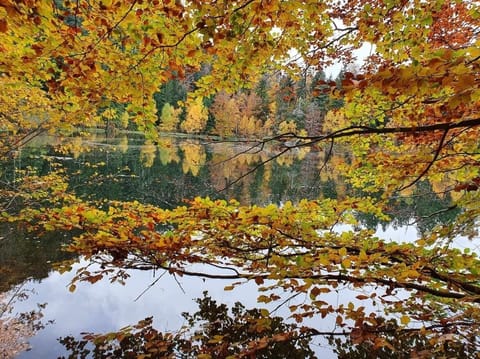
(16, 329)
(213, 331)
(172, 174)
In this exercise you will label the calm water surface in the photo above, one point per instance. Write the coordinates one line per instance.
(163, 173)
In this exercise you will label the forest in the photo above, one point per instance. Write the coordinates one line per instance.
(277, 104)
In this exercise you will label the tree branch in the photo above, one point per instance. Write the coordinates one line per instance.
(430, 164)
(367, 130)
(324, 277)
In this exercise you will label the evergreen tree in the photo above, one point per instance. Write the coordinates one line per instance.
(302, 88)
(319, 98)
(262, 92)
(208, 102)
(286, 98)
(170, 92)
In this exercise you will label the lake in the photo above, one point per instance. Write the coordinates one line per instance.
(165, 173)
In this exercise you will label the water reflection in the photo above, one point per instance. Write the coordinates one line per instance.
(105, 307)
(16, 328)
(165, 173)
(25, 258)
(214, 330)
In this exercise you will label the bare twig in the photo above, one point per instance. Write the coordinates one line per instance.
(150, 286)
(430, 164)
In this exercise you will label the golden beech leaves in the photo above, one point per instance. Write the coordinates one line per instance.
(228, 230)
(411, 112)
(405, 319)
(83, 55)
(293, 247)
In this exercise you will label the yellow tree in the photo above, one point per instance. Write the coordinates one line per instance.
(249, 103)
(226, 114)
(196, 118)
(249, 126)
(287, 127)
(169, 118)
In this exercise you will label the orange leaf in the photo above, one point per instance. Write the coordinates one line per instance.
(3, 25)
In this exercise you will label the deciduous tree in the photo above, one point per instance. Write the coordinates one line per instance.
(170, 118)
(196, 117)
(226, 113)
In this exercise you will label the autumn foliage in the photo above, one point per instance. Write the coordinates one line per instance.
(410, 113)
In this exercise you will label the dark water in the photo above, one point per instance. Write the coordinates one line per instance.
(163, 173)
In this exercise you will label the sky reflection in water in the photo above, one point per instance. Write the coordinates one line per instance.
(104, 307)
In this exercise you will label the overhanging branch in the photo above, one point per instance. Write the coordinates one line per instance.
(323, 277)
(367, 130)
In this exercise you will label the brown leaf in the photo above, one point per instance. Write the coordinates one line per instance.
(259, 280)
(3, 25)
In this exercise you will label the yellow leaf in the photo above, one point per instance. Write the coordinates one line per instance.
(346, 263)
(362, 256)
(405, 319)
(264, 312)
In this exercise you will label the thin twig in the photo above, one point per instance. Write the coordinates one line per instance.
(12, 298)
(430, 164)
(150, 286)
(179, 284)
(285, 301)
